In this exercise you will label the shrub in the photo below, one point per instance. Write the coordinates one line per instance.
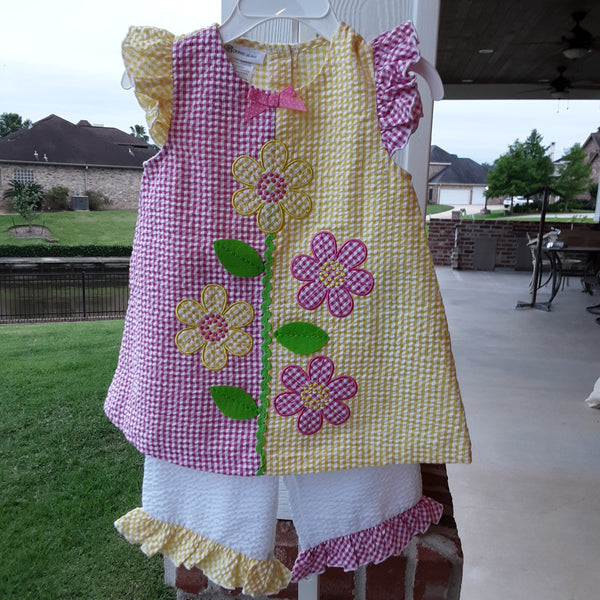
(563, 206)
(56, 198)
(593, 192)
(587, 204)
(525, 208)
(98, 200)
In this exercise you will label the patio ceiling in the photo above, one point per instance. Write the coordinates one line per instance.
(512, 49)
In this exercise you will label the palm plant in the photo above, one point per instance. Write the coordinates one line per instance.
(139, 131)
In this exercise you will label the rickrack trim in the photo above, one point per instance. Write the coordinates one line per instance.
(266, 355)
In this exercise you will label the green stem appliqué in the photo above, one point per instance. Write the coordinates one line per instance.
(266, 354)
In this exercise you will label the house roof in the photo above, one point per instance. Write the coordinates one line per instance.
(458, 170)
(58, 141)
(593, 137)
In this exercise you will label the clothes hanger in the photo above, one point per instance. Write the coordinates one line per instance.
(318, 15)
(429, 73)
(247, 14)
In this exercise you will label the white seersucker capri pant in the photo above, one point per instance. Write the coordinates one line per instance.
(240, 512)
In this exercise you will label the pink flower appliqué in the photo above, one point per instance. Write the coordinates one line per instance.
(314, 395)
(333, 274)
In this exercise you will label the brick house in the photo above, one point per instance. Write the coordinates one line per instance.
(591, 147)
(55, 152)
(454, 180)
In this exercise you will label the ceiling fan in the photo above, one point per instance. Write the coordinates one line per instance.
(581, 42)
(560, 86)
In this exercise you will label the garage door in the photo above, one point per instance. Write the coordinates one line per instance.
(454, 197)
(478, 196)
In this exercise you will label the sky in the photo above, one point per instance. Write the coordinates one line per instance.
(64, 58)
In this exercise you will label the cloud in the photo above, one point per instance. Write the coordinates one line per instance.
(484, 129)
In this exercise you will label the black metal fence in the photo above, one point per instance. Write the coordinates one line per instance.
(57, 296)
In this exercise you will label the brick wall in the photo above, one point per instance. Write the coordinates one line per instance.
(430, 568)
(510, 238)
(122, 186)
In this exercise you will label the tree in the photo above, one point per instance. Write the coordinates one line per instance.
(573, 176)
(523, 169)
(26, 199)
(139, 131)
(10, 122)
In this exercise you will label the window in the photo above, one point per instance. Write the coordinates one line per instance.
(24, 175)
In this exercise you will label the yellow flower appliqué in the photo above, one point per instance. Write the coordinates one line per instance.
(214, 327)
(272, 187)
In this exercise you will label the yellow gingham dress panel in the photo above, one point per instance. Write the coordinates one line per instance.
(395, 343)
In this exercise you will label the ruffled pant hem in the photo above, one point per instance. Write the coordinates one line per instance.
(220, 564)
(373, 545)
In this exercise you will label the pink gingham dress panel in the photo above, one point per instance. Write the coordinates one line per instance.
(160, 397)
(399, 105)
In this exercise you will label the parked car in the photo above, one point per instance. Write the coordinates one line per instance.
(516, 201)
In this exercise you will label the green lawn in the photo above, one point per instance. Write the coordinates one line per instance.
(501, 215)
(75, 228)
(66, 472)
(432, 209)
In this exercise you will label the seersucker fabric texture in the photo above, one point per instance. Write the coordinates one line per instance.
(349, 256)
(284, 315)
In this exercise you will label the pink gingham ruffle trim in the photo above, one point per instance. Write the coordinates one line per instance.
(373, 545)
(399, 106)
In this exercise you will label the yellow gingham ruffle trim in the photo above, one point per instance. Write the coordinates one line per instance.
(147, 54)
(220, 564)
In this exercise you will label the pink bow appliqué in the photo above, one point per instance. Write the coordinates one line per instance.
(260, 101)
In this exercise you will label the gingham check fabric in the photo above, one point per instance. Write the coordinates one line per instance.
(147, 56)
(160, 396)
(373, 545)
(399, 105)
(394, 343)
(384, 316)
(221, 564)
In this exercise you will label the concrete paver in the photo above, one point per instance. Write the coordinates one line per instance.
(528, 507)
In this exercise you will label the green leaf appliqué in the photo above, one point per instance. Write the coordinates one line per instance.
(234, 402)
(238, 258)
(301, 338)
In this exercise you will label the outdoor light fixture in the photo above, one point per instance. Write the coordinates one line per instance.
(574, 52)
(581, 43)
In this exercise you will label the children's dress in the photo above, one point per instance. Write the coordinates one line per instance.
(284, 315)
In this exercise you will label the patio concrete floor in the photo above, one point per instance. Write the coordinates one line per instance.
(528, 507)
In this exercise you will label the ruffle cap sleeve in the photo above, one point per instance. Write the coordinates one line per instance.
(399, 105)
(147, 54)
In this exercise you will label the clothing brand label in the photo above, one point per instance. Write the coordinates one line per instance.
(244, 54)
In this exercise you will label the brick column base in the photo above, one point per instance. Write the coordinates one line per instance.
(430, 568)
